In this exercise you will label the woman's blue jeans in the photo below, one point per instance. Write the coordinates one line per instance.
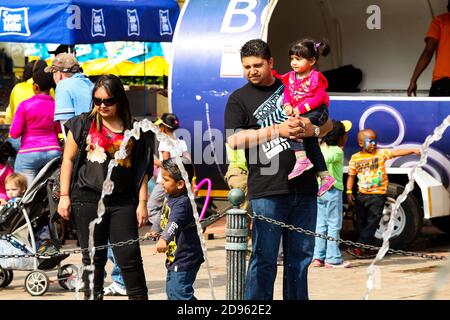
(29, 164)
(299, 210)
(329, 222)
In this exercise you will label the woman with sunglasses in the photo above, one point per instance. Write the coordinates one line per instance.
(92, 140)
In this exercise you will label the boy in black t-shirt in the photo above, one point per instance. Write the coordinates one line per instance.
(179, 239)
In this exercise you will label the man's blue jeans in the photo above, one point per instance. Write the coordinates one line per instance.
(297, 210)
(179, 285)
(329, 222)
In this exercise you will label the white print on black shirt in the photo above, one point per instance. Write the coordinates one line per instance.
(271, 111)
(274, 147)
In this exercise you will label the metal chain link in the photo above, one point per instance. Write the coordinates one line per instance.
(219, 215)
(347, 242)
(75, 251)
(102, 247)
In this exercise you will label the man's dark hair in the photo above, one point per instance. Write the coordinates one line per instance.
(256, 48)
(44, 80)
(171, 166)
(448, 5)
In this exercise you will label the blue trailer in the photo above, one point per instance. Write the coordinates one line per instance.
(383, 38)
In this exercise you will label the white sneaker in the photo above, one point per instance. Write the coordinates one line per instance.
(114, 290)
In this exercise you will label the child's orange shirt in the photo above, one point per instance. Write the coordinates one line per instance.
(371, 171)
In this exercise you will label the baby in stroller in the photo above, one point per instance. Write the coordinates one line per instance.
(16, 184)
(27, 227)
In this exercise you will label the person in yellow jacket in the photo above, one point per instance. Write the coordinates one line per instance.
(23, 90)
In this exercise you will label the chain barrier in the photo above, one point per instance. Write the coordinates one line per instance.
(347, 242)
(102, 247)
(220, 215)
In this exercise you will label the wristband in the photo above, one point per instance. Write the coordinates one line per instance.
(349, 192)
(63, 195)
(142, 200)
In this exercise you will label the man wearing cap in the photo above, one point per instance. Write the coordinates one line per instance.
(73, 88)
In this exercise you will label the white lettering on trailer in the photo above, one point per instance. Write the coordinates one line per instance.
(374, 21)
(233, 10)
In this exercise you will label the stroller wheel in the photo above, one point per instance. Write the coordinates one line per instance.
(36, 283)
(6, 276)
(10, 277)
(68, 276)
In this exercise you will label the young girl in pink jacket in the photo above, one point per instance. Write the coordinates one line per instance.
(304, 95)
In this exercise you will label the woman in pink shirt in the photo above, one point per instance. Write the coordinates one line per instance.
(34, 123)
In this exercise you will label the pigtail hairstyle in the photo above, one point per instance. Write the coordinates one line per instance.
(324, 47)
(309, 49)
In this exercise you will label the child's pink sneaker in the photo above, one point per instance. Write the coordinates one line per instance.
(327, 184)
(300, 167)
(318, 263)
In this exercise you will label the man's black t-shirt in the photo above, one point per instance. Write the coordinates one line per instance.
(252, 107)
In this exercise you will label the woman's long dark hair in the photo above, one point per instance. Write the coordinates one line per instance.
(114, 87)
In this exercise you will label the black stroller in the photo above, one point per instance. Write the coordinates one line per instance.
(24, 227)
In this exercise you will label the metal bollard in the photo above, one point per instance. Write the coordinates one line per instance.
(236, 246)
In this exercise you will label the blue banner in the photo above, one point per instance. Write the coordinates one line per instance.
(87, 21)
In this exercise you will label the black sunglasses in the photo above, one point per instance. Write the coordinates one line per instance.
(107, 102)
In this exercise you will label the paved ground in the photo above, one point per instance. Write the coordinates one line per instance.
(400, 277)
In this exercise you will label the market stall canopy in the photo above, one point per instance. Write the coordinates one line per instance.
(87, 21)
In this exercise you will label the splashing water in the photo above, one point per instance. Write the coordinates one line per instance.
(108, 186)
(372, 269)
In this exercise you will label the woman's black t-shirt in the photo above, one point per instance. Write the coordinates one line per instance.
(100, 147)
